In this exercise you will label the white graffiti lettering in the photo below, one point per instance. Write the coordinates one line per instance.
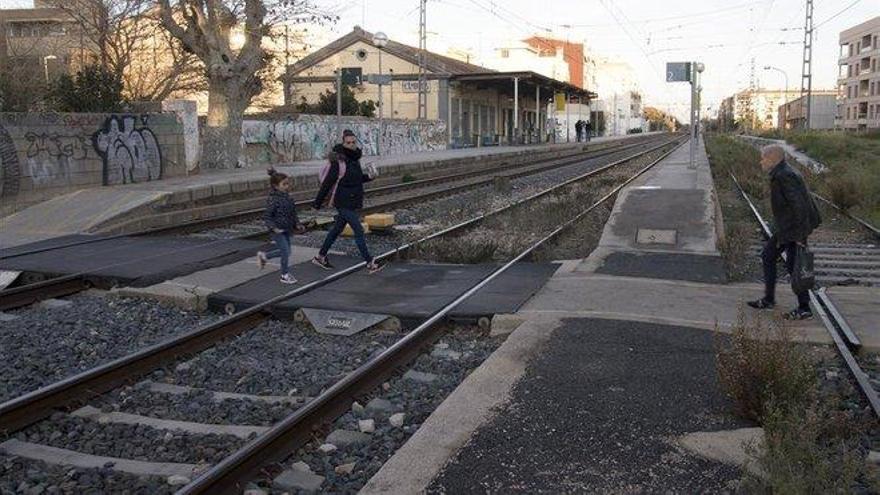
(130, 155)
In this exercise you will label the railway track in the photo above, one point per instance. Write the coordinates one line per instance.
(382, 198)
(845, 339)
(276, 442)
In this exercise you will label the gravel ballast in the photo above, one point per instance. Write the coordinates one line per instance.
(45, 345)
(135, 442)
(278, 358)
(18, 475)
(414, 400)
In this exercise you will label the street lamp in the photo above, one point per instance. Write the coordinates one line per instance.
(784, 74)
(380, 40)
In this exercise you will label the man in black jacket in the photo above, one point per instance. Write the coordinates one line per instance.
(795, 215)
(348, 197)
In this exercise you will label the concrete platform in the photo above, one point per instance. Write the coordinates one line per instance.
(133, 261)
(670, 209)
(408, 291)
(134, 207)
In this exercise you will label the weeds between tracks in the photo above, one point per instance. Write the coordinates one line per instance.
(811, 444)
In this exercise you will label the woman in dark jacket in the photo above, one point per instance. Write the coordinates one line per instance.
(347, 198)
(280, 217)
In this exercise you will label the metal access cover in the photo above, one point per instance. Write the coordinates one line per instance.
(345, 323)
(655, 236)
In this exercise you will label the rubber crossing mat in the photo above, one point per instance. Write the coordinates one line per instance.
(130, 261)
(406, 290)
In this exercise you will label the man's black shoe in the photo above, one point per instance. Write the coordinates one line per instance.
(798, 314)
(761, 304)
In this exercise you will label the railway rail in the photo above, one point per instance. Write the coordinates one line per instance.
(299, 427)
(845, 340)
(396, 196)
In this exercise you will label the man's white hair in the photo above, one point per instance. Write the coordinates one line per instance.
(774, 151)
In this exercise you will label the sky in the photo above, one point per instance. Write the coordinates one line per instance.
(723, 34)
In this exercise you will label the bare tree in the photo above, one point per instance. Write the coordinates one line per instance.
(234, 75)
(128, 40)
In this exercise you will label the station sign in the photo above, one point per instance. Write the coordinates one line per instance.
(413, 86)
(678, 71)
(381, 79)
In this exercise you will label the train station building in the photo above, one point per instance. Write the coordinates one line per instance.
(480, 106)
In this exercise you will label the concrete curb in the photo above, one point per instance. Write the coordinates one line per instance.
(472, 404)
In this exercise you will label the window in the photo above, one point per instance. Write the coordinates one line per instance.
(505, 53)
(847, 113)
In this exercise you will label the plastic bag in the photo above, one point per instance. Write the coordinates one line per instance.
(802, 276)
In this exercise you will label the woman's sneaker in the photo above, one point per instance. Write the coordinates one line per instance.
(287, 279)
(323, 262)
(262, 259)
(375, 266)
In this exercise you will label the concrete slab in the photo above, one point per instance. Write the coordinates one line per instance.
(727, 446)
(240, 431)
(192, 291)
(404, 290)
(861, 308)
(64, 457)
(138, 261)
(170, 388)
(667, 302)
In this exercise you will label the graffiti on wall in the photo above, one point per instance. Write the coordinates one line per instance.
(309, 137)
(10, 171)
(53, 158)
(130, 154)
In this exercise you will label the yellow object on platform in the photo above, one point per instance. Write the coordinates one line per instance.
(347, 232)
(380, 220)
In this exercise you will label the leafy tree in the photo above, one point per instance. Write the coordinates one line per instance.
(326, 104)
(92, 89)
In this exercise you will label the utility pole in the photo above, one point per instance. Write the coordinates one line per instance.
(807, 73)
(338, 102)
(423, 80)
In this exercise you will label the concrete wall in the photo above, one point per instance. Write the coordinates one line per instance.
(46, 154)
(309, 137)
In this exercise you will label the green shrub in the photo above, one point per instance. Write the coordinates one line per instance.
(408, 178)
(809, 451)
(844, 191)
(92, 89)
(760, 361)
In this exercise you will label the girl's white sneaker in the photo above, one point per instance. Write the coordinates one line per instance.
(287, 279)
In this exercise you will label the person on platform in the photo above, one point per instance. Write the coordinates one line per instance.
(588, 129)
(280, 217)
(795, 216)
(579, 129)
(345, 192)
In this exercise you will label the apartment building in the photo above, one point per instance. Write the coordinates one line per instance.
(823, 110)
(754, 109)
(40, 43)
(858, 99)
